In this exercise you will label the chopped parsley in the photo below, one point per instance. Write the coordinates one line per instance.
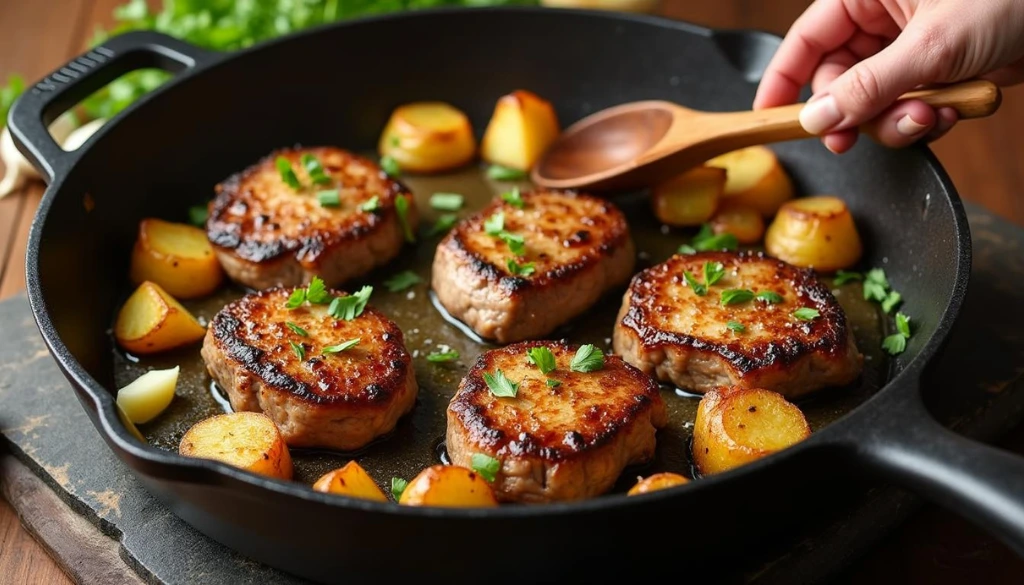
(495, 224)
(806, 314)
(402, 281)
(350, 306)
(553, 383)
(499, 385)
(876, 285)
(443, 356)
(500, 173)
(349, 344)
(284, 167)
(542, 358)
(398, 486)
(315, 170)
(316, 292)
(330, 198)
(197, 215)
(516, 244)
(447, 201)
(770, 297)
(485, 465)
(698, 288)
(894, 344)
(444, 223)
(736, 296)
(296, 299)
(296, 329)
(891, 301)
(844, 276)
(736, 326)
(588, 358)
(370, 205)
(390, 166)
(298, 349)
(707, 240)
(402, 207)
(713, 272)
(516, 269)
(514, 198)
(903, 325)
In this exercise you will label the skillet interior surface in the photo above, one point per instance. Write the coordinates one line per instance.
(326, 87)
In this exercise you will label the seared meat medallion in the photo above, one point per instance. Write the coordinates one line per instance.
(762, 324)
(565, 435)
(336, 221)
(295, 366)
(521, 267)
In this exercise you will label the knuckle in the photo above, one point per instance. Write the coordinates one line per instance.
(934, 48)
(862, 88)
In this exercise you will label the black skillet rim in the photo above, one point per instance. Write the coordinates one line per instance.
(161, 464)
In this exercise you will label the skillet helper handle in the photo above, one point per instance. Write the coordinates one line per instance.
(41, 104)
(982, 483)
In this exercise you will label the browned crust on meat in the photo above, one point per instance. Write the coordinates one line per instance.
(244, 222)
(593, 427)
(251, 332)
(828, 334)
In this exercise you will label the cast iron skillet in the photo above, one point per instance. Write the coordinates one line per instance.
(337, 85)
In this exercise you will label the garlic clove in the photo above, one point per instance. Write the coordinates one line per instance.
(79, 135)
(18, 170)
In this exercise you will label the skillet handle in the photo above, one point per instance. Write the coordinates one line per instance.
(907, 446)
(61, 90)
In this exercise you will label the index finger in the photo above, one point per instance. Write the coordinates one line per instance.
(823, 27)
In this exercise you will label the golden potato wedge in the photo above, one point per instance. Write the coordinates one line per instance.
(735, 426)
(448, 486)
(689, 199)
(740, 220)
(522, 127)
(658, 481)
(350, 480)
(247, 440)
(176, 256)
(152, 321)
(815, 232)
(428, 137)
(755, 178)
(149, 395)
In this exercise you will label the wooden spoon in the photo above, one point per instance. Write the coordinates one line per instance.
(642, 143)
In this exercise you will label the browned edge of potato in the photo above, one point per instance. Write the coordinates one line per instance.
(246, 440)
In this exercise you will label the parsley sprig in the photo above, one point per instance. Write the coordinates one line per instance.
(443, 356)
(350, 306)
(588, 358)
(485, 465)
(542, 358)
(896, 343)
(402, 281)
(344, 345)
(500, 385)
(500, 173)
(398, 486)
(707, 240)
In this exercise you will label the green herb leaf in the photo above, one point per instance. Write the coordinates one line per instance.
(713, 272)
(398, 486)
(390, 166)
(707, 240)
(296, 299)
(894, 344)
(877, 275)
(447, 201)
(587, 359)
(736, 296)
(315, 170)
(316, 292)
(891, 301)
(284, 167)
(443, 356)
(542, 358)
(349, 344)
(843, 277)
(370, 205)
(299, 349)
(330, 198)
(553, 383)
(806, 314)
(296, 329)
(402, 281)
(485, 465)
(698, 288)
(686, 249)
(903, 324)
(736, 326)
(516, 243)
(768, 296)
(10, 92)
(517, 269)
(198, 214)
(402, 208)
(500, 173)
(495, 224)
(444, 223)
(514, 198)
(501, 386)
(351, 306)
(876, 285)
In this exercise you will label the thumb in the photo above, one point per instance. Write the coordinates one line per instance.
(872, 85)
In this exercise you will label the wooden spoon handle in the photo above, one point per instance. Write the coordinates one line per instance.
(971, 99)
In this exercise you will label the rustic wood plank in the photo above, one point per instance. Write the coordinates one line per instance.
(13, 281)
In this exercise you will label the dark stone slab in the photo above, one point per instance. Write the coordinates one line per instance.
(976, 385)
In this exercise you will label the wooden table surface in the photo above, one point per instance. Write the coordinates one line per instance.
(981, 156)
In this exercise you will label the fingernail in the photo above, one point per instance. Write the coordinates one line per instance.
(908, 127)
(820, 115)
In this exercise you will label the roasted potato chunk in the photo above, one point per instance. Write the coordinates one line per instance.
(428, 137)
(350, 480)
(152, 321)
(149, 395)
(177, 257)
(735, 426)
(740, 220)
(247, 440)
(658, 481)
(815, 232)
(689, 199)
(522, 127)
(755, 178)
(449, 486)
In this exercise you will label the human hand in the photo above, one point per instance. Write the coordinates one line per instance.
(861, 55)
